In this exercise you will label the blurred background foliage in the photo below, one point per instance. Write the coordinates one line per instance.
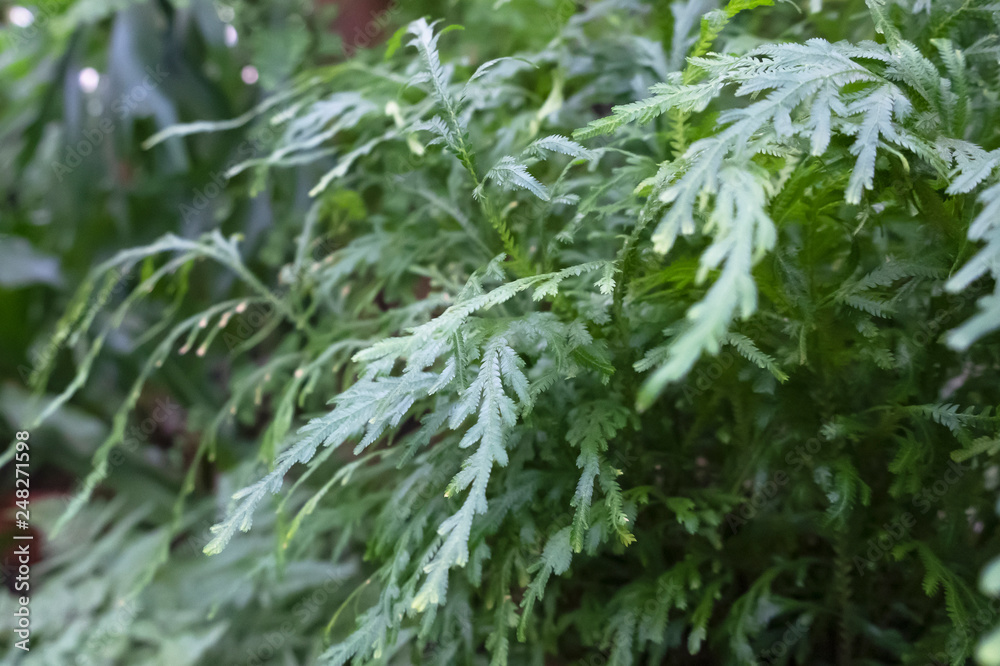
(82, 84)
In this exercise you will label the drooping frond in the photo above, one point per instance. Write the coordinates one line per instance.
(973, 165)
(743, 232)
(592, 427)
(497, 413)
(556, 558)
(748, 350)
(368, 407)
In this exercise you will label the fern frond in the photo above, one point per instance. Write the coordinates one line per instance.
(425, 40)
(500, 367)
(665, 96)
(511, 174)
(556, 558)
(748, 350)
(369, 406)
(556, 144)
(973, 165)
(591, 428)
(962, 424)
(743, 232)
(844, 488)
(986, 227)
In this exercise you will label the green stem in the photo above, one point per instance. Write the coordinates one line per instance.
(519, 263)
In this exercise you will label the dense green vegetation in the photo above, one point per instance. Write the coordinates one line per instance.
(546, 333)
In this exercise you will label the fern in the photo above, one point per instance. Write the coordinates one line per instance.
(481, 392)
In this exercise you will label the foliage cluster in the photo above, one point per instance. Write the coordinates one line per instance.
(658, 335)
